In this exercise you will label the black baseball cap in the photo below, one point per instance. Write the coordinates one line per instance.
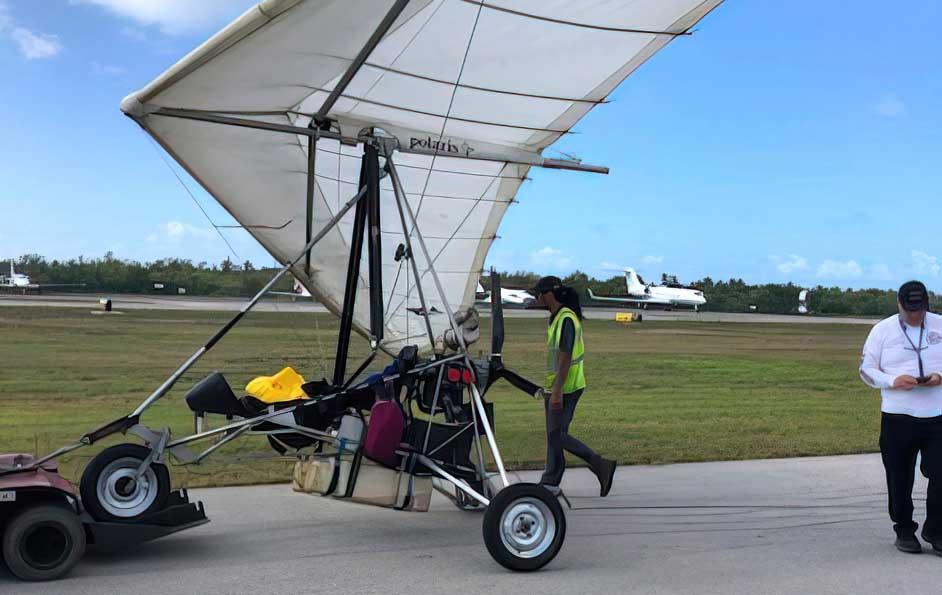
(546, 284)
(913, 296)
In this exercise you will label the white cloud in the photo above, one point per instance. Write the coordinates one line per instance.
(134, 34)
(607, 265)
(791, 264)
(836, 269)
(652, 259)
(33, 46)
(880, 272)
(550, 257)
(890, 106)
(174, 232)
(924, 264)
(99, 69)
(174, 17)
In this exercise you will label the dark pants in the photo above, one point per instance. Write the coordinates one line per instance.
(558, 440)
(902, 437)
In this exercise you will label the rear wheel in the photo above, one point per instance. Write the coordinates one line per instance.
(112, 490)
(43, 543)
(524, 527)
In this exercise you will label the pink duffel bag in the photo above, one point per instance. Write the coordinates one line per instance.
(384, 432)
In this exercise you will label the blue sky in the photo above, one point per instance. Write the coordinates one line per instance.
(785, 141)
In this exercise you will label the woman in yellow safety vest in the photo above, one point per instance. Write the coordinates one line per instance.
(565, 383)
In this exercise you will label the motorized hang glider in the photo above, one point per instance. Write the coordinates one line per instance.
(372, 147)
(470, 93)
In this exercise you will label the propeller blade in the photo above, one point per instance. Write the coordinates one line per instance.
(497, 317)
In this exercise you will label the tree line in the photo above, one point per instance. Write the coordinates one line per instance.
(174, 275)
(735, 295)
(164, 276)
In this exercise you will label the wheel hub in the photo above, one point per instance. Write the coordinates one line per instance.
(45, 546)
(527, 527)
(121, 492)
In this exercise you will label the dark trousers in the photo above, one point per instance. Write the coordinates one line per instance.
(558, 440)
(902, 437)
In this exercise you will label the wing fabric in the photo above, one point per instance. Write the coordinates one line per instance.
(451, 79)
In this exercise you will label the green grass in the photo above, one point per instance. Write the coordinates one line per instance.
(659, 392)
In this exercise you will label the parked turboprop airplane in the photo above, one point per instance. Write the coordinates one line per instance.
(643, 295)
(19, 282)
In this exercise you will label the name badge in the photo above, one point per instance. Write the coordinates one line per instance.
(7, 496)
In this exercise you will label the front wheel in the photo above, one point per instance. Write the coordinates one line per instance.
(112, 490)
(524, 527)
(43, 543)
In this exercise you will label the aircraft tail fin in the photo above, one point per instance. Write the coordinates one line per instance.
(635, 286)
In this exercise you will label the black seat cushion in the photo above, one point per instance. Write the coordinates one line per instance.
(214, 395)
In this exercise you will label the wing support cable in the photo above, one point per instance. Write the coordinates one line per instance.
(537, 17)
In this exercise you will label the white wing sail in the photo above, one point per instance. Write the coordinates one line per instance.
(474, 91)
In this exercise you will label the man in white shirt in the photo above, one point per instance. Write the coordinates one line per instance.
(903, 358)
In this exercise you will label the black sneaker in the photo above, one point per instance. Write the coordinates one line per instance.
(605, 471)
(908, 544)
(936, 544)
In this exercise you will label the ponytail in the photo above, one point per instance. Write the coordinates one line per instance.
(568, 297)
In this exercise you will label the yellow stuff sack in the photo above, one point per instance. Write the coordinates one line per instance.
(283, 386)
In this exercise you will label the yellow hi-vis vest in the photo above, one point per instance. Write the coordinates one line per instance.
(575, 379)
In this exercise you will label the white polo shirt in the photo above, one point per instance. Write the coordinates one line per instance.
(888, 354)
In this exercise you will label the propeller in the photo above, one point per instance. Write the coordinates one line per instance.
(497, 318)
(497, 369)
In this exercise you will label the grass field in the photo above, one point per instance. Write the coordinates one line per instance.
(658, 392)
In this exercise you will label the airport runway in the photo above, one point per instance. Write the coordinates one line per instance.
(156, 302)
(811, 525)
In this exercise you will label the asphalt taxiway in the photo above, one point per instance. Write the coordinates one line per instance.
(807, 525)
(210, 304)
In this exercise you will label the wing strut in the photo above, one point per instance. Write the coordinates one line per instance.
(367, 215)
(361, 57)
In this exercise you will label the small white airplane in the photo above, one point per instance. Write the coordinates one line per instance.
(20, 282)
(803, 301)
(516, 297)
(298, 291)
(643, 295)
(509, 297)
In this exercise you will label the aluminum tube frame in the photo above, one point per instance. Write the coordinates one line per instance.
(461, 485)
(476, 395)
(479, 155)
(374, 245)
(410, 255)
(482, 467)
(311, 185)
(56, 453)
(168, 384)
(352, 282)
(394, 11)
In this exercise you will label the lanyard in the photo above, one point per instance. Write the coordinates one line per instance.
(918, 350)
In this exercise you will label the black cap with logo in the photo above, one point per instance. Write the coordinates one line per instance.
(913, 296)
(546, 284)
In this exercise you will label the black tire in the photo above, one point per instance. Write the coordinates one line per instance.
(123, 500)
(43, 543)
(524, 503)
